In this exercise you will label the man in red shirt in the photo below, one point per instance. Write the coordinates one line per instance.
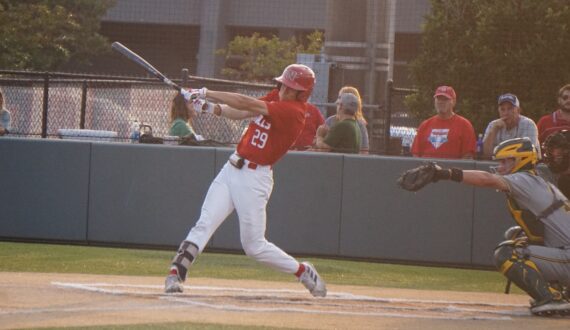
(246, 181)
(447, 134)
(559, 119)
(313, 119)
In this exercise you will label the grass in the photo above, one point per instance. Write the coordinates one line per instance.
(50, 258)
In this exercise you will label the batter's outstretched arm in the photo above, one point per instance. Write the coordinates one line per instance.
(239, 101)
(484, 179)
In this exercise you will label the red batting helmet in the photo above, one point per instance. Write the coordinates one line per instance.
(298, 77)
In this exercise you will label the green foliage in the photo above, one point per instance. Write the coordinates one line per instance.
(257, 58)
(484, 48)
(48, 34)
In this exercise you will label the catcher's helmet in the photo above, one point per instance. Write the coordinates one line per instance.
(298, 77)
(558, 140)
(521, 150)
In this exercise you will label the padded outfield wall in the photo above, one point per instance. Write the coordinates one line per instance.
(322, 203)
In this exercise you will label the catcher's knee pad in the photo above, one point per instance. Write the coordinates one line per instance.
(187, 252)
(516, 266)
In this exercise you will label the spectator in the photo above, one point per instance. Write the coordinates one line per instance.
(181, 115)
(559, 119)
(344, 136)
(330, 121)
(313, 119)
(510, 125)
(5, 118)
(447, 134)
(556, 161)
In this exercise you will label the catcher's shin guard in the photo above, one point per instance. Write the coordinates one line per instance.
(524, 273)
(187, 252)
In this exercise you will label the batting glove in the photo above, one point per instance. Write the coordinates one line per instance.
(193, 94)
(202, 106)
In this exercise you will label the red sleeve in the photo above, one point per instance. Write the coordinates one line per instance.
(284, 111)
(470, 143)
(541, 127)
(273, 95)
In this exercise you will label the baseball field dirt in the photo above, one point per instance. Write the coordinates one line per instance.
(29, 300)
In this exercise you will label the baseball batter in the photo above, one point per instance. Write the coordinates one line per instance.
(538, 261)
(245, 183)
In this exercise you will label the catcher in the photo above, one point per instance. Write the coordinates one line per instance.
(538, 262)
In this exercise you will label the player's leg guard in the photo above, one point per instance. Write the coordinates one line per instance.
(526, 275)
(187, 252)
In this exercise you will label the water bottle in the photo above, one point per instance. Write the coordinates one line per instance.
(135, 131)
(480, 147)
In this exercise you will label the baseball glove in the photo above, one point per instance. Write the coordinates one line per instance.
(416, 178)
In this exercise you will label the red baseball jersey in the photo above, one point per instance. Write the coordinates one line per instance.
(551, 123)
(313, 119)
(269, 137)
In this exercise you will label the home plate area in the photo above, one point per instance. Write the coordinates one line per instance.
(299, 301)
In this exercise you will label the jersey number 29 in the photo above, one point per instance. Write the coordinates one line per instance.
(259, 139)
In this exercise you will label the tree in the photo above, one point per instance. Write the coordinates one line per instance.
(260, 59)
(484, 48)
(50, 34)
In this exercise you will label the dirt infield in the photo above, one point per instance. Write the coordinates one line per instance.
(67, 300)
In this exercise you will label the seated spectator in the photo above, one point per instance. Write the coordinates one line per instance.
(343, 136)
(5, 118)
(181, 115)
(313, 119)
(559, 119)
(556, 161)
(511, 124)
(330, 121)
(447, 134)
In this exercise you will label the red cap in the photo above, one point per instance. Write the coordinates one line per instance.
(446, 91)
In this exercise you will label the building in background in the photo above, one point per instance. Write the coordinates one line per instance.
(367, 42)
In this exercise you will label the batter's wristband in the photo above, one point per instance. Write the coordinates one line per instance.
(456, 174)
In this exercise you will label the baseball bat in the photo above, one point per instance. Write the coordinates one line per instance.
(123, 50)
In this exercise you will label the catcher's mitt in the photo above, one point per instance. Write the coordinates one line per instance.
(416, 178)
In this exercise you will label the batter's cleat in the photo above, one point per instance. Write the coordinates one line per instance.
(552, 307)
(173, 284)
(312, 281)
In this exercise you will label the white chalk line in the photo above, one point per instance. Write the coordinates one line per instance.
(442, 306)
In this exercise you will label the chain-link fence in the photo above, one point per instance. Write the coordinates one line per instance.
(45, 104)
(53, 105)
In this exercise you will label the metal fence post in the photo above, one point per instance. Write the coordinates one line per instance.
(184, 77)
(45, 105)
(83, 104)
(387, 120)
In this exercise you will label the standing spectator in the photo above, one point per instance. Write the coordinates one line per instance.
(447, 134)
(5, 118)
(344, 136)
(313, 119)
(511, 124)
(330, 121)
(181, 115)
(559, 119)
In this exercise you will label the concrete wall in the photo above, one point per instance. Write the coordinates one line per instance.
(322, 203)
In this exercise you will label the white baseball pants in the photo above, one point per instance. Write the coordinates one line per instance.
(247, 191)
